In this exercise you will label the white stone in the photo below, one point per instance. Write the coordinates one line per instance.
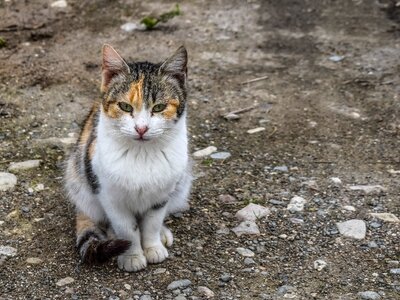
(65, 281)
(245, 252)
(205, 292)
(368, 189)
(349, 208)
(353, 229)
(296, 204)
(231, 116)
(7, 181)
(127, 286)
(128, 27)
(33, 260)
(255, 130)
(252, 212)
(59, 4)
(388, 217)
(369, 295)
(336, 181)
(8, 251)
(246, 227)
(319, 264)
(178, 284)
(204, 152)
(24, 165)
(220, 155)
(39, 187)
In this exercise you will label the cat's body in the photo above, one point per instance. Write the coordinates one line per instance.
(130, 168)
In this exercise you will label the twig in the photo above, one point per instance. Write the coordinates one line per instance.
(243, 110)
(254, 80)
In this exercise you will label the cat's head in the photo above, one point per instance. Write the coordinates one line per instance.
(143, 101)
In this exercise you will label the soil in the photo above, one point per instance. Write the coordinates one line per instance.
(323, 118)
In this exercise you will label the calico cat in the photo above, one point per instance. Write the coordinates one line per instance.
(130, 167)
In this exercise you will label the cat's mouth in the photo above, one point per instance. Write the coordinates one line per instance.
(141, 139)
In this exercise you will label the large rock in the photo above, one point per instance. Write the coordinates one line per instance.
(252, 212)
(246, 227)
(355, 229)
(7, 181)
(24, 165)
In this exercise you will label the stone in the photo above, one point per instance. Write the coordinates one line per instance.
(368, 189)
(395, 271)
(336, 58)
(369, 295)
(179, 284)
(387, 217)
(249, 261)
(7, 181)
(353, 229)
(227, 199)
(296, 204)
(180, 297)
(59, 4)
(205, 292)
(245, 252)
(246, 227)
(159, 271)
(311, 184)
(34, 260)
(129, 27)
(225, 277)
(220, 155)
(252, 212)
(39, 187)
(287, 291)
(231, 116)
(145, 297)
(335, 181)
(349, 208)
(65, 281)
(320, 264)
(63, 143)
(204, 152)
(255, 130)
(281, 169)
(8, 251)
(24, 165)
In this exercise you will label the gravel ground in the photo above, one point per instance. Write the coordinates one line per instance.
(318, 179)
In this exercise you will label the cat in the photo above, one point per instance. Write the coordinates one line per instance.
(130, 168)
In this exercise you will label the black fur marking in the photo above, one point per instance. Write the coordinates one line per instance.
(102, 251)
(159, 205)
(89, 234)
(90, 175)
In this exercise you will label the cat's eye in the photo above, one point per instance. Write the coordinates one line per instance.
(159, 107)
(125, 106)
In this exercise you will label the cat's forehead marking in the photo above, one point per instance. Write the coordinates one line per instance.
(170, 111)
(135, 94)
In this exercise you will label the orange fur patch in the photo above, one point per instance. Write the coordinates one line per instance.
(83, 222)
(113, 111)
(92, 149)
(135, 94)
(171, 110)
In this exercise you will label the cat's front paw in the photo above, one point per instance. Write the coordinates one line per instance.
(132, 262)
(156, 254)
(166, 236)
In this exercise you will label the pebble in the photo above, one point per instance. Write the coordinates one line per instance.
(34, 260)
(281, 169)
(255, 130)
(246, 227)
(375, 224)
(159, 271)
(145, 297)
(127, 286)
(368, 189)
(205, 292)
(387, 217)
(369, 295)
(225, 277)
(252, 212)
(220, 155)
(227, 199)
(296, 204)
(336, 58)
(296, 221)
(276, 202)
(336, 181)
(178, 284)
(39, 187)
(8, 251)
(245, 252)
(64, 143)
(59, 4)
(180, 297)
(320, 264)
(232, 116)
(204, 152)
(287, 291)
(249, 261)
(349, 208)
(65, 281)
(7, 181)
(353, 229)
(311, 184)
(129, 26)
(24, 165)
(372, 244)
(395, 271)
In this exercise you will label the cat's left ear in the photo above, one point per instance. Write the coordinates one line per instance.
(176, 65)
(113, 65)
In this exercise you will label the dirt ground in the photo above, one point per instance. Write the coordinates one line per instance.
(330, 108)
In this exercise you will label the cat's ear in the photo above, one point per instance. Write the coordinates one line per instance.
(176, 65)
(113, 65)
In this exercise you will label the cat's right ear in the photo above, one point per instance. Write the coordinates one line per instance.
(113, 65)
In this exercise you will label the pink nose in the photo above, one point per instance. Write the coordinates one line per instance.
(141, 130)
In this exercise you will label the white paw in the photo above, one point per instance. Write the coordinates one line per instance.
(156, 254)
(132, 262)
(166, 236)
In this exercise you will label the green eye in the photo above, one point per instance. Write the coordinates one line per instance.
(125, 106)
(159, 107)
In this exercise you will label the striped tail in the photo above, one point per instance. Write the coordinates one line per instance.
(92, 242)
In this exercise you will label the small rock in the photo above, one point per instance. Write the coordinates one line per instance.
(39, 187)
(368, 189)
(255, 130)
(59, 4)
(246, 227)
(178, 284)
(369, 295)
(231, 116)
(223, 230)
(159, 271)
(7, 181)
(180, 297)
(296, 204)
(375, 224)
(283, 236)
(204, 152)
(127, 286)
(372, 244)
(225, 277)
(319, 264)
(311, 184)
(349, 208)
(277, 202)
(206, 292)
(24, 165)
(336, 58)
(64, 143)
(252, 212)
(245, 252)
(296, 221)
(1, 223)
(8, 251)
(353, 229)
(128, 27)
(34, 260)
(145, 297)
(387, 217)
(65, 281)
(395, 271)
(227, 199)
(287, 291)
(394, 172)
(249, 261)
(281, 169)
(336, 181)
(220, 155)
